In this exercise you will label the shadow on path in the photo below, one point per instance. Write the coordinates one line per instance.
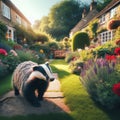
(53, 103)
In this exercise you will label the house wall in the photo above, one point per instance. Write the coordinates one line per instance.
(103, 34)
(108, 18)
(16, 17)
(107, 35)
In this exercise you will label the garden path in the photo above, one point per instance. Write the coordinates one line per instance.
(53, 102)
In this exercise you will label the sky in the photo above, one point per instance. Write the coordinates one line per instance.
(35, 9)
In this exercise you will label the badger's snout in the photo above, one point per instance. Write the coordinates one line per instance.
(51, 79)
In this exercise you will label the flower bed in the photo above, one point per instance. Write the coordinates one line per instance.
(101, 78)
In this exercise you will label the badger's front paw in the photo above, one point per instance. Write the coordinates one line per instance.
(16, 93)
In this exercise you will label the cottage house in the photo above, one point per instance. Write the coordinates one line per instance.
(104, 16)
(111, 11)
(10, 15)
(86, 18)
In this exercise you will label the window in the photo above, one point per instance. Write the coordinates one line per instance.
(18, 19)
(102, 19)
(106, 36)
(5, 11)
(112, 12)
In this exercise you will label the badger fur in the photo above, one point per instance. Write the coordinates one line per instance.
(29, 78)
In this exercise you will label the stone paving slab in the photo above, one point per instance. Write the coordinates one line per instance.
(53, 102)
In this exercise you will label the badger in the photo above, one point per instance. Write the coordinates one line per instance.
(31, 80)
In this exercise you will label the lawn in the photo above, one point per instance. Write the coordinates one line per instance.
(81, 105)
(5, 84)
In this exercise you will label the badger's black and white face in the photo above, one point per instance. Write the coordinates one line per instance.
(46, 70)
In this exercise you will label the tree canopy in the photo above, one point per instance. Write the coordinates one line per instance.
(63, 16)
(102, 3)
(61, 19)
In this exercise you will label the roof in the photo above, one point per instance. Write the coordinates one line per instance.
(84, 21)
(10, 4)
(112, 4)
(94, 14)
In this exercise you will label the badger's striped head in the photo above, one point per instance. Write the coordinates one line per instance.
(46, 70)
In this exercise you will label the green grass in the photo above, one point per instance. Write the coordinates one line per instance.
(81, 105)
(5, 84)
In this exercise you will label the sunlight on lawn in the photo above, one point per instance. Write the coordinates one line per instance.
(76, 97)
(62, 67)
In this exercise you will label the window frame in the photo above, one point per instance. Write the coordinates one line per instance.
(112, 12)
(102, 19)
(6, 11)
(106, 36)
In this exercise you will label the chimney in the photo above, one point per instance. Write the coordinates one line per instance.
(93, 5)
(84, 14)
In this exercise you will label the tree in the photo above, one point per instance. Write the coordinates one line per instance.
(36, 25)
(102, 4)
(80, 40)
(62, 18)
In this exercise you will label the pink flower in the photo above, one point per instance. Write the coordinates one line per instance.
(3, 52)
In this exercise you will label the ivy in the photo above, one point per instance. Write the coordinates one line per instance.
(3, 30)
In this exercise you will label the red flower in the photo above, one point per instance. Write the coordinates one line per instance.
(3, 52)
(110, 57)
(117, 51)
(116, 89)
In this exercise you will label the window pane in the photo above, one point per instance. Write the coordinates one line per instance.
(5, 11)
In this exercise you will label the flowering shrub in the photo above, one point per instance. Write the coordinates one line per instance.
(41, 51)
(113, 24)
(3, 70)
(117, 51)
(71, 56)
(110, 57)
(116, 88)
(11, 62)
(17, 47)
(102, 52)
(25, 55)
(98, 77)
(3, 52)
(76, 66)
